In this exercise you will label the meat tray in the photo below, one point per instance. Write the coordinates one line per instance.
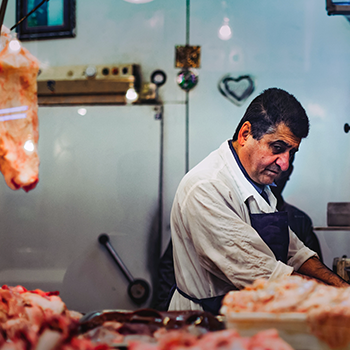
(153, 319)
(143, 323)
(292, 327)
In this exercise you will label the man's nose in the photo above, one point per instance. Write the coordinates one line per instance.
(283, 161)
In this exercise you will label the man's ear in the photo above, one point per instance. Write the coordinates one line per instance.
(244, 133)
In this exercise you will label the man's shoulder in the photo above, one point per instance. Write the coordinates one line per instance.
(213, 172)
(209, 167)
(203, 173)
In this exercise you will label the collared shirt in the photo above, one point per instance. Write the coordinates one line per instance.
(215, 248)
(258, 187)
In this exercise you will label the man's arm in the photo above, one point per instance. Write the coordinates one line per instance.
(315, 269)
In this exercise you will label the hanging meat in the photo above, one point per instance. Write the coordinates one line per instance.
(19, 161)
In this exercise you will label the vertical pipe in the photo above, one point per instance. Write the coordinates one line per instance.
(160, 188)
(187, 22)
(187, 92)
(187, 132)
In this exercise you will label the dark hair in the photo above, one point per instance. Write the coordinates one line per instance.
(272, 107)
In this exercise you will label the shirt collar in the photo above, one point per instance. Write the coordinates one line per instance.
(258, 187)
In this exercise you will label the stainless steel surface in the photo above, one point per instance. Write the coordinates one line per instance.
(98, 173)
(341, 266)
(338, 214)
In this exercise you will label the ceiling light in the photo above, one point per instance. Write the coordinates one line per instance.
(225, 31)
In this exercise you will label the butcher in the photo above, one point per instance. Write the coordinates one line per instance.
(225, 228)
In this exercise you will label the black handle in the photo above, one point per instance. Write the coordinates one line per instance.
(346, 127)
(138, 289)
(104, 240)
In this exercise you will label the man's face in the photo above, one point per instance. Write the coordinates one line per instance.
(265, 159)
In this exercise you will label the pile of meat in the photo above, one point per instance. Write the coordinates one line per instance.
(220, 340)
(37, 320)
(19, 161)
(149, 329)
(327, 308)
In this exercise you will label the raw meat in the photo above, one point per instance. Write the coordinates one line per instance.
(56, 332)
(290, 294)
(327, 308)
(19, 161)
(285, 295)
(220, 340)
(39, 320)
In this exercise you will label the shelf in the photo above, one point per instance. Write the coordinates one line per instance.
(332, 228)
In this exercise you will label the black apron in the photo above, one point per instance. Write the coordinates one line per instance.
(212, 304)
(273, 229)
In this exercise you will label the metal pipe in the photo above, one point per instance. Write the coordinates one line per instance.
(187, 92)
(187, 165)
(187, 22)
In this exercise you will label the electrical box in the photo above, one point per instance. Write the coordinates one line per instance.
(87, 84)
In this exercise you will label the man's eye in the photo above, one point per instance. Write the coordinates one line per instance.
(277, 148)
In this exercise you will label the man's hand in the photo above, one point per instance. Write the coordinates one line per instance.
(315, 269)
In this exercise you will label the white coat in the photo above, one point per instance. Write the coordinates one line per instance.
(214, 246)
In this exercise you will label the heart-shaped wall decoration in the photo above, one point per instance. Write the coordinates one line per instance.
(237, 90)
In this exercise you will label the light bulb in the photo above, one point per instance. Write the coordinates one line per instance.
(131, 95)
(82, 111)
(225, 31)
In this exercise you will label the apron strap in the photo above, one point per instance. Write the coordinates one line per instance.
(211, 305)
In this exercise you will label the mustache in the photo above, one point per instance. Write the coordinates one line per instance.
(274, 168)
